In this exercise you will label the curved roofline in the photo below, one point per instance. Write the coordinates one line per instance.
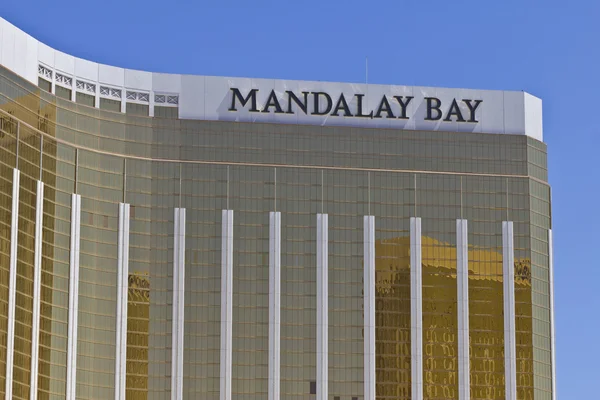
(210, 98)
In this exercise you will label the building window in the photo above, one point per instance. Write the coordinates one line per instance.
(166, 112)
(45, 72)
(85, 99)
(137, 109)
(62, 92)
(45, 85)
(85, 86)
(139, 96)
(111, 92)
(336, 397)
(65, 80)
(110, 105)
(313, 387)
(166, 98)
(7, 125)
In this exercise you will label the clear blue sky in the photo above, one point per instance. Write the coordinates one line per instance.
(548, 48)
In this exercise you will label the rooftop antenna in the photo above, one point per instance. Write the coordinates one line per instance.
(367, 70)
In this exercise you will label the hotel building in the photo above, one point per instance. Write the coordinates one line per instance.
(171, 236)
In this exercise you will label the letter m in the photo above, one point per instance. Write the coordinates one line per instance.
(236, 94)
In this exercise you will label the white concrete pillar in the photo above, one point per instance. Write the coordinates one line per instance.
(178, 305)
(73, 297)
(122, 297)
(369, 307)
(226, 303)
(510, 350)
(12, 284)
(322, 307)
(462, 284)
(37, 286)
(274, 305)
(416, 309)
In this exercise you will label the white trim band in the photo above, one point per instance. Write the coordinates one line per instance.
(322, 307)
(369, 308)
(552, 331)
(274, 305)
(462, 285)
(122, 295)
(178, 305)
(416, 309)
(12, 284)
(510, 350)
(226, 303)
(37, 286)
(73, 297)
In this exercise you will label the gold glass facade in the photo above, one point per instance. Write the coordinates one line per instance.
(24, 293)
(158, 164)
(138, 329)
(6, 179)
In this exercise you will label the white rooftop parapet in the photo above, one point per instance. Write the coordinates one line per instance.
(340, 104)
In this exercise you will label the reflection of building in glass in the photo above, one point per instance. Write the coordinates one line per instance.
(138, 329)
(439, 325)
(191, 237)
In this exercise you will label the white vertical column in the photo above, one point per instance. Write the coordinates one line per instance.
(37, 285)
(274, 304)
(226, 302)
(74, 89)
(369, 307)
(416, 310)
(462, 284)
(322, 306)
(73, 297)
(97, 95)
(12, 283)
(510, 350)
(151, 104)
(552, 332)
(178, 305)
(53, 83)
(122, 293)
(123, 100)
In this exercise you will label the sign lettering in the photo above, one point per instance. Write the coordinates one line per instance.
(324, 104)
